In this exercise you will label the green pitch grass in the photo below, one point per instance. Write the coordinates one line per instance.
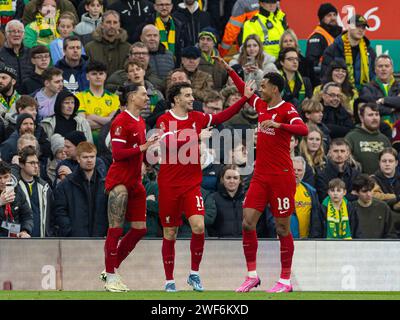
(190, 295)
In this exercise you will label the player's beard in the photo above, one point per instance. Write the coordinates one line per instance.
(6, 88)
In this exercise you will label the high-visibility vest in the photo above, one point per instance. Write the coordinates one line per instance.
(242, 11)
(328, 37)
(269, 29)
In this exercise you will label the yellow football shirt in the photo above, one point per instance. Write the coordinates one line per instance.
(303, 210)
(100, 106)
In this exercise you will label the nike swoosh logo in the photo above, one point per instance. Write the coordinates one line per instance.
(135, 134)
(282, 212)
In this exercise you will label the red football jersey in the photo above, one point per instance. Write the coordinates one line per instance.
(273, 145)
(131, 131)
(181, 168)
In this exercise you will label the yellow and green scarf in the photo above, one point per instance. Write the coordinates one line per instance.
(8, 105)
(364, 79)
(7, 8)
(167, 38)
(337, 224)
(389, 119)
(47, 26)
(302, 93)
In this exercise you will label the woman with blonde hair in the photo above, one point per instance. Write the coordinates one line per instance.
(312, 148)
(253, 60)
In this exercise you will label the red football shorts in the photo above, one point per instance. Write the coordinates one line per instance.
(136, 206)
(173, 202)
(276, 190)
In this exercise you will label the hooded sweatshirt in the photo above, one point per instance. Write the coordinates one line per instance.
(58, 123)
(74, 77)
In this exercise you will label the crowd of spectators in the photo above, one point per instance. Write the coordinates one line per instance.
(63, 61)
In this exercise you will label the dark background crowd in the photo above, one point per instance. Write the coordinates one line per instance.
(63, 61)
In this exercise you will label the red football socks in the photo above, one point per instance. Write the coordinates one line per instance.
(196, 249)
(168, 255)
(250, 246)
(110, 248)
(287, 250)
(128, 243)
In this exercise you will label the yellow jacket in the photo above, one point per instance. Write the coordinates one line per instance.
(269, 29)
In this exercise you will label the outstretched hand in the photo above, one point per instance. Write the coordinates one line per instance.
(222, 62)
(150, 142)
(249, 89)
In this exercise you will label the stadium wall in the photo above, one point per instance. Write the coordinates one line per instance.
(41, 264)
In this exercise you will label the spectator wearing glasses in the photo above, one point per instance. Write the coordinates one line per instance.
(138, 51)
(336, 117)
(14, 54)
(337, 72)
(172, 34)
(37, 192)
(297, 87)
(40, 58)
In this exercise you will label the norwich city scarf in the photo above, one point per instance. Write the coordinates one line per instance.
(7, 8)
(298, 78)
(47, 26)
(349, 61)
(389, 119)
(338, 226)
(8, 105)
(208, 57)
(166, 38)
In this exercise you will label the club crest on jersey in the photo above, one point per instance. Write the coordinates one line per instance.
(118, 131)
(162, 126)
(292, 110)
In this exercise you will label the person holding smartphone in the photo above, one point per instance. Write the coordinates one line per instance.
(16, 218)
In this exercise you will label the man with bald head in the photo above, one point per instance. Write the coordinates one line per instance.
(161, 60)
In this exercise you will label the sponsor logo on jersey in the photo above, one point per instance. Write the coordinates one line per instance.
(270, 131)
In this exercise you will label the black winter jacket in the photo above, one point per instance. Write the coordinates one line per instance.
(32, 84)
(21, 63)
(372, 92)
(318, 222)
(80, 206)
(228, 223)
(331, 171)
(133, 13)
(192, 23)
(21, 212)
(338, 121)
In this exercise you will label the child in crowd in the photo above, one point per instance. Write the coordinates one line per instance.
(338, 219)
(91, 19)
(65, 27)
(43, 30)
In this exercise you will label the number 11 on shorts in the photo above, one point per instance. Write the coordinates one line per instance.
(200, 203)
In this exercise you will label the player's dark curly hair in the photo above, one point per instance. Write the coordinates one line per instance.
(123, 92)
(175, 90)
(276, 79)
